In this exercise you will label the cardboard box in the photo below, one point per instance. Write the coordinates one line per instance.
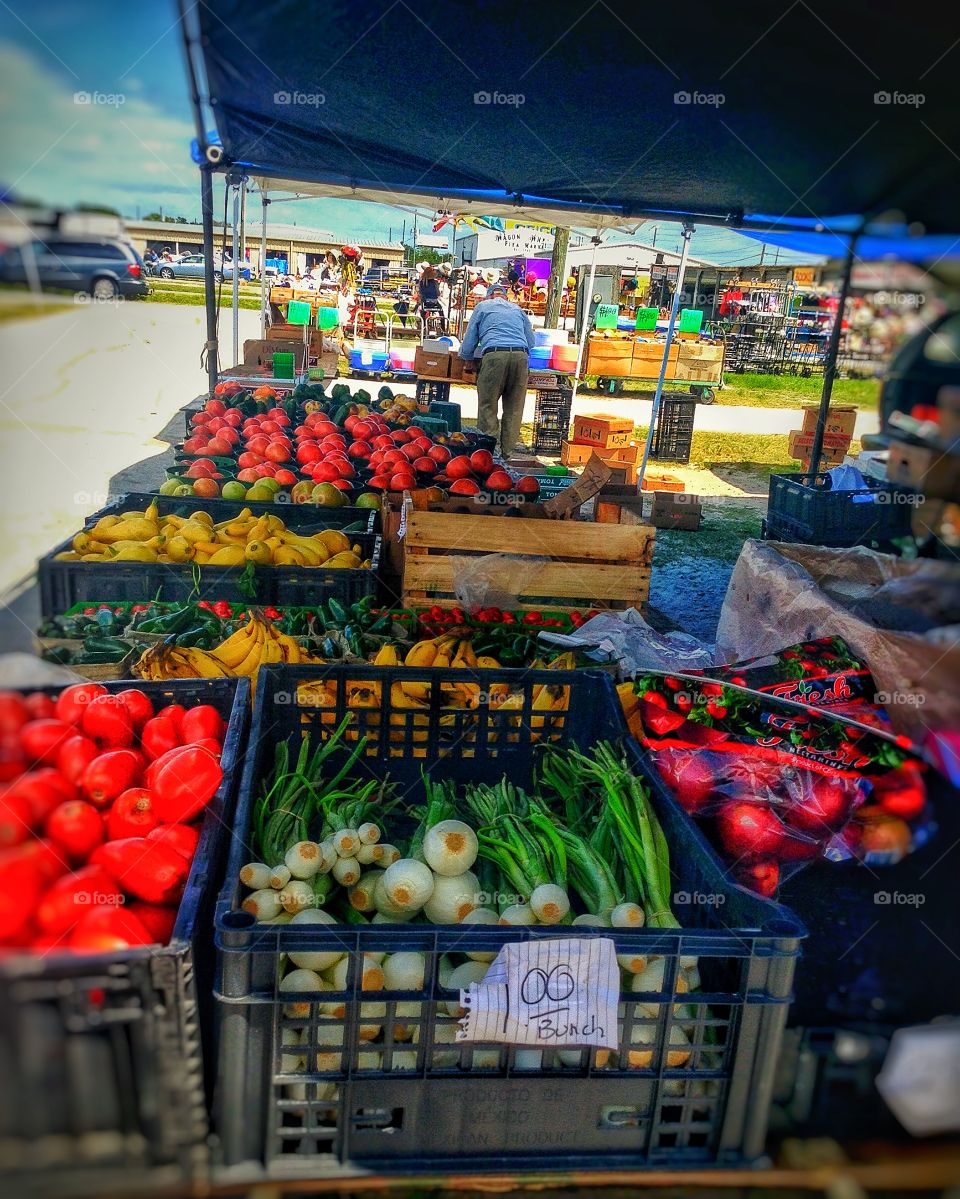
(609, 356)
(260, 352)
(456, 366)
(576, 455)
(931, 471)
(434, 363)
(655, 481)
(648, 357)
(602, 431)
(800, 444)
(840, 419)
(676, 511)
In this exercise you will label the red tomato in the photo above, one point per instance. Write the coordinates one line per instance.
(185, 780)
(40, 706)
(158, 920)
(12, 760)
(40, 793)
(107, 720)
(107, 928)
(138, 705)
(13, 712)
(74, 756)
(131, 814)
(111, 774)
(72, 701)
(76, 828)
(62, 905)
(158, 736)
(15, 820)
(41, 739)
(182, 837)
(173, 712)
(200, 722)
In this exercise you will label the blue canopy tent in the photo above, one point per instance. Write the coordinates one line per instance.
(594, 116)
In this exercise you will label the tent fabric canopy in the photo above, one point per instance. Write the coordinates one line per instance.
(611, 109)
(871, 247)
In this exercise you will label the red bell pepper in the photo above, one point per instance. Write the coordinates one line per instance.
(183, 781)
(148, 870)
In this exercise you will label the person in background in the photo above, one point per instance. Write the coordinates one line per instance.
(329, 271)
(501, 336)
(443, 289)
(428, 295)
(150, 260)
(167, 254)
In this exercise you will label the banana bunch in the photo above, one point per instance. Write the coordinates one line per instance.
(263, 540)
(162, 662)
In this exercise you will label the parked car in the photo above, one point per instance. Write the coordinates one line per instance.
(102, 267)
(190, 266)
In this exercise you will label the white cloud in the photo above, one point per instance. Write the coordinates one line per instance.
(109, 151)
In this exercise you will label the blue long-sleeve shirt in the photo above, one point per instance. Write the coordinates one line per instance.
(496, 322)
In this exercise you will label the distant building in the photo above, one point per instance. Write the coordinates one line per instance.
(300, 246)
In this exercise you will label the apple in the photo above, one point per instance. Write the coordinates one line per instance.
(424, 466)
(481, 462)
(440, 454)
(499, 480)
(464, 486)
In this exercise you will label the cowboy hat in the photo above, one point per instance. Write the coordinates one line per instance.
(446, 268)
(491, 275)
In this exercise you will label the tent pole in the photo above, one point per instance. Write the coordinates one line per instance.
(236, 275)
(830, 362)
(586, 317)
(209, 285)
(263, 263)
(674, 309)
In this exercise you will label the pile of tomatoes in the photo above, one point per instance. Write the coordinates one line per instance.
(102, 795)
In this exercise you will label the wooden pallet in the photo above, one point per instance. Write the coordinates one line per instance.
(586, 565)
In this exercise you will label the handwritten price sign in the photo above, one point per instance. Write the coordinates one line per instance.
(560, 993)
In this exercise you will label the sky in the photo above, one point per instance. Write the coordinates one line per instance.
(94, 109)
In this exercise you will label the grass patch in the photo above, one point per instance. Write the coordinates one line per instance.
(195, 299)
(792, 391)
(25, 311)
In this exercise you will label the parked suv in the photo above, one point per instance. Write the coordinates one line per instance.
(103, 267)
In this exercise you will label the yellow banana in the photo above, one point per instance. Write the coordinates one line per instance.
(290, 651)
(387, 656)
(424, 653)
(249, 665)
(237, 645)
(206, 664)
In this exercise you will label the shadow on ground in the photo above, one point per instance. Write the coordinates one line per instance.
(20, 613)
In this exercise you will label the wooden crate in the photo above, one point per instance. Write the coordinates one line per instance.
(602, 566)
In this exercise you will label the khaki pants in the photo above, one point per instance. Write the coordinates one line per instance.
(503, 375)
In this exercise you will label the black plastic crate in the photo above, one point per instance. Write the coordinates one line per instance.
(825, 1085)
(803, 507)
(551, 419)
(101, 1056)
(63, 584)
(432, 391)
(462, 1110)
(547, 442)
(673, 433)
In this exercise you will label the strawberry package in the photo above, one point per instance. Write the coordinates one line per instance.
(785, 758)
